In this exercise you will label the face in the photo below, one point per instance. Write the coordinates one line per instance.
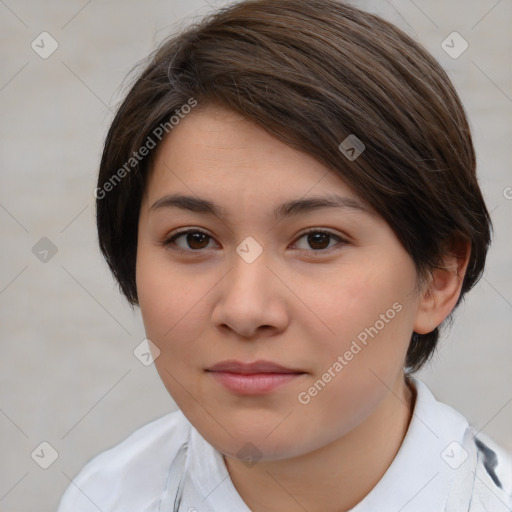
(326, 292)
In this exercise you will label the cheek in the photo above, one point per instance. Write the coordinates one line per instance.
(173, 305)
(165, 297)
(371, 312)
(369, 301)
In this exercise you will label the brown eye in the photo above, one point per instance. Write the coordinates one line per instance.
(194, 240)
(319, 240)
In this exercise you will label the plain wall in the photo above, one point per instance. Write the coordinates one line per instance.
(68, 373)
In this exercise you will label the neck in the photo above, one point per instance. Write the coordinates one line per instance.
(335, 477)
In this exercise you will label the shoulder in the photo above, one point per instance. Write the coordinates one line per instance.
(493, 476)
(485, 480)
(133, 473)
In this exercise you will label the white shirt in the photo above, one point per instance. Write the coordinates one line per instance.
(168, 466)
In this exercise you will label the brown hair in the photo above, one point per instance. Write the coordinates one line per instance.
(311, 73)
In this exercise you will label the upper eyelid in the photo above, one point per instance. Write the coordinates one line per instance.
(200, 230)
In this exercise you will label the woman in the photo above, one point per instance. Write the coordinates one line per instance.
(288, 193)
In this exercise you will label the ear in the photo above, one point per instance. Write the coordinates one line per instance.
(442, 290)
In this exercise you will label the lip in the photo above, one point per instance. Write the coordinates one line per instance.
(261, 366)
(255, 378)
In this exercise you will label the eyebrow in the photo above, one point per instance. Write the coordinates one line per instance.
(286, 209)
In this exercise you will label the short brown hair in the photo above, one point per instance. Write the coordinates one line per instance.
(311, 73)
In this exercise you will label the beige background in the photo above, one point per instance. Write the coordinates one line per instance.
(67, 369)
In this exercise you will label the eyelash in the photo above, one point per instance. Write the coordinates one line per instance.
(171, 240)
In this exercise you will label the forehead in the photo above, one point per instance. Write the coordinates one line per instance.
(214, 151)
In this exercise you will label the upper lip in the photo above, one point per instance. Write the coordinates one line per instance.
(232, 366)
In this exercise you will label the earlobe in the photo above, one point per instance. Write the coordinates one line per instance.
(441, 293)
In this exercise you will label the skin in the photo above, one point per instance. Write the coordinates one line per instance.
(298, 304)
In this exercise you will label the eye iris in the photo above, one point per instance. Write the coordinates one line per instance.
(316, 239)
(193, 238)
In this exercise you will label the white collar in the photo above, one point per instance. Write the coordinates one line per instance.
(419, 479)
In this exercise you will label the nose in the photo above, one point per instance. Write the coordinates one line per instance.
(251, 300)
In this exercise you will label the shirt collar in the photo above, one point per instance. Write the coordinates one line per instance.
(419, 479)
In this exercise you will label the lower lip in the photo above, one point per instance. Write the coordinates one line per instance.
(254, 384)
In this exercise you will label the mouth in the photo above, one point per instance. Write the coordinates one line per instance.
(255, 378)
(256, 367)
